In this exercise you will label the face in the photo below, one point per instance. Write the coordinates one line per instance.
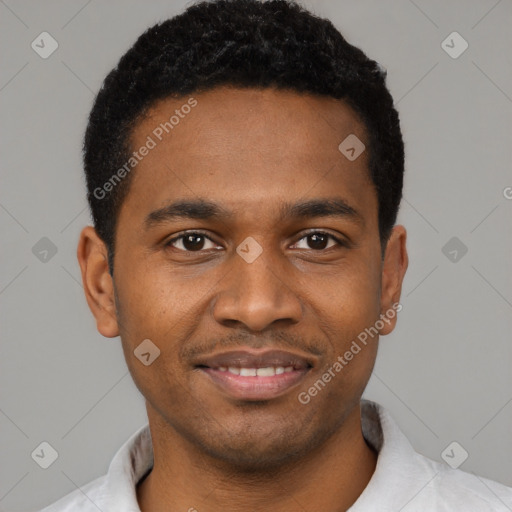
(248, 252)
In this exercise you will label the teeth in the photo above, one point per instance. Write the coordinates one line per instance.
(266, 372)
(248, 372)
(269, 371)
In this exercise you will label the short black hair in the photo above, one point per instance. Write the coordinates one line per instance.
(246, 44)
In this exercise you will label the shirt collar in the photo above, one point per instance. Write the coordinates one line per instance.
(133, 460)
(399, 467)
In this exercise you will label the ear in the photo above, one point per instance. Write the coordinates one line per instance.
(394, 267)
(92, 256)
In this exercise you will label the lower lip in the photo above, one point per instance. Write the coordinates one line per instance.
(255, 388)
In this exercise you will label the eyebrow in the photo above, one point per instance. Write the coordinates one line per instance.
(202, 209)
(315, 208)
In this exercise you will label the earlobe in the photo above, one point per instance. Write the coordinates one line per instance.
(97, 281)
(394, 267)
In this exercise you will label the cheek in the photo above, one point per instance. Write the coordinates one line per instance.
(150, 313)
(154, 300)
(165, 310)
(347, 300)
(347, 306)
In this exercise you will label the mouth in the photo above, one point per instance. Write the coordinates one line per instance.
(255, 375)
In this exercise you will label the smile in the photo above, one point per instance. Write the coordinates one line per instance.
(255, 375)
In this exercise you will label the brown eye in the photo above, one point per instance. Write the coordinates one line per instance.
(190, 242)
(319, 241)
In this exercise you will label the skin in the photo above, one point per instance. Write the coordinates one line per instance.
(250, 151)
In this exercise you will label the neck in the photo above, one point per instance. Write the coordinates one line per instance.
(331, 479)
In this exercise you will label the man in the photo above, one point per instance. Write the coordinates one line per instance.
(244, 165)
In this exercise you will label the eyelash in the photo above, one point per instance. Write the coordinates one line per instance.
(339, 241)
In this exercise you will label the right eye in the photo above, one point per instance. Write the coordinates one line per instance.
(192, 241)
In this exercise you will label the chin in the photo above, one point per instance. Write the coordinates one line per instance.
(266, 448)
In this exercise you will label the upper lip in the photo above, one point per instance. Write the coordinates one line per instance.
(247, 358)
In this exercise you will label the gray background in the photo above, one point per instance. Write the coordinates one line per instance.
(444, 373)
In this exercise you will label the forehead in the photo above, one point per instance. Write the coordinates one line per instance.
(241, 119)
(246, 148)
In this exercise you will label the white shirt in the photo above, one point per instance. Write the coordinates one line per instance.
(403, 481)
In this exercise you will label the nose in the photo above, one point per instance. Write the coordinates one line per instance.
(256, 295)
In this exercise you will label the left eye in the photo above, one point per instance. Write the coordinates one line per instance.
(319, 241)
